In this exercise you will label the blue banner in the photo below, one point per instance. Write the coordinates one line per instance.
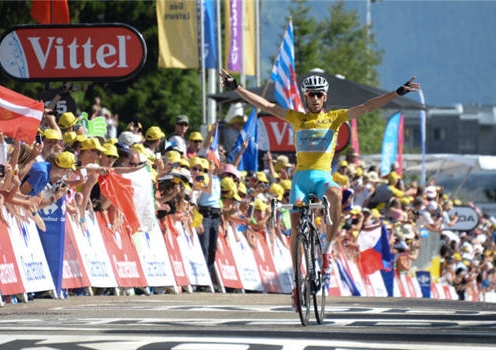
(249, 160)
(390, 143)
(53, 240)
(424, 281)
(209, 34)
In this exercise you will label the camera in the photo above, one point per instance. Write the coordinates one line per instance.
(2, 170)
(38, 138)
(61, 184)
(200, 178)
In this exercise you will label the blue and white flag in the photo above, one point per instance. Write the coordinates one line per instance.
(283, 74)
(249, 160)
(390, 143)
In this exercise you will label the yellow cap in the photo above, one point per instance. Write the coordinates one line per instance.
(66, 160)
(110, 150)
(277, 190)
(286, 184)
(260, 205)
(92, 143)
(173, 156)
(69, 138)
(229, 188)
(242, 188)
(343, 163)
(154, 133)
(52, 134)
(195, 136)
(195, 161)
(261, 176)
(67, 120)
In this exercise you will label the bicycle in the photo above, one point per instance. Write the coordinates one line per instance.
(310, 282)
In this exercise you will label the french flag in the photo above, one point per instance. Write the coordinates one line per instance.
(213, 151)
(375, 253)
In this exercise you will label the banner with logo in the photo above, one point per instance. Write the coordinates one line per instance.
(174, 252)
(96, 261)
(53, 239)
(244, 258)
(30, 257)
(123, 257)
(155, 257)
(225, 265)
(74, 273)
(10, 276)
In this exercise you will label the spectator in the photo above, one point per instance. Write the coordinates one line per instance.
(234, 127)
(177, 137)
(51, 144)
(195, 140)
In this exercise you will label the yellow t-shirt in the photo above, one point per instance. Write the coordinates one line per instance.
(315, 137)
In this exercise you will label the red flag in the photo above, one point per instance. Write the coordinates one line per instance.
(20, 116)
(119, 191)
(50, 11)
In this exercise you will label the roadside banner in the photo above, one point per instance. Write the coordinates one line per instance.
(123, 257)
(74, 272)
(282, 262)
(53, 240)
(266, 266)
(93, 252)
(154, 256)
(244, 259)
(30, 255)
(193, 259)
(174, 252)
(224, 262)
(10, 276)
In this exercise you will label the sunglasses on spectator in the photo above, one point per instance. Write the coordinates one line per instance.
(182, 124)
(315, 94)
(196, 169)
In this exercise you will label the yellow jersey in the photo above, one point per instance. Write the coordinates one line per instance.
(315, 137)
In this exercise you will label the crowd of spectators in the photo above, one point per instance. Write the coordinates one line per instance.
(213, 196)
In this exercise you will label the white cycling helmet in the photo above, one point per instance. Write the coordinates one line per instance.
(314, 83)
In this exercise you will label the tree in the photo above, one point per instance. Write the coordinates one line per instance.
(340, 45)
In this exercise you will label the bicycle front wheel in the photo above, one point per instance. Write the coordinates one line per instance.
(302, 284)
(320, 291)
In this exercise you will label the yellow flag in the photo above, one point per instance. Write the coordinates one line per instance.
(249, 33)
(177, 23)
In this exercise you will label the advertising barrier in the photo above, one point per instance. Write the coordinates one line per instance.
(94, 254)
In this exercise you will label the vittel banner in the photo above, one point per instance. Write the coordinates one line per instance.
(111, 51)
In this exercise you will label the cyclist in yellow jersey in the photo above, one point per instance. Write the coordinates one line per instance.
(315, 134)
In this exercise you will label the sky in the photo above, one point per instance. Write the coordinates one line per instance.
(449, 45)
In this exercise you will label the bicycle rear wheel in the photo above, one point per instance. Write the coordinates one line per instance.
(320, 290)
(302, 284)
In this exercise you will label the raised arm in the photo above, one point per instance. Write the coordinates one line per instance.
(258, 101)
(379, 101)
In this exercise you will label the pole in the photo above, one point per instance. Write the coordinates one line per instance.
(257, 42)
(423, 122)
(202, 63)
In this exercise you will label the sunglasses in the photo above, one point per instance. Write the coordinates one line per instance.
(315, 94)
(182, 124)
(196, 169)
